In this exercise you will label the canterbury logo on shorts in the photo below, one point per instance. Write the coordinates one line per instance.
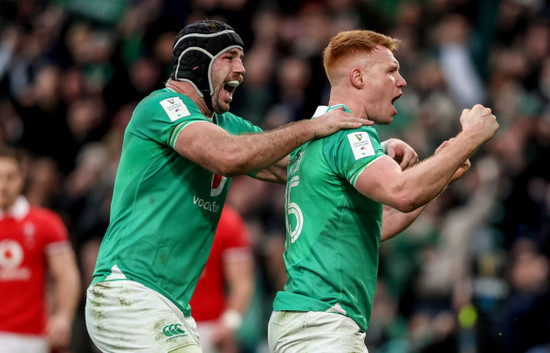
(173, 330)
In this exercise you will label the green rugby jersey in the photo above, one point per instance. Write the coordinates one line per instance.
(333, 231)
(165, 208)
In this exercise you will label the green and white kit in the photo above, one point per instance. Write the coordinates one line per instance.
(165, 208)
(333, 231)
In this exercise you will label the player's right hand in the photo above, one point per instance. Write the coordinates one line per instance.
(480, 122)
(335, 120)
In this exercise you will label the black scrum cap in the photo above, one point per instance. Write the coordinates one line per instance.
(195, 49)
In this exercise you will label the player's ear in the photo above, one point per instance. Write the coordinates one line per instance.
(356, 77)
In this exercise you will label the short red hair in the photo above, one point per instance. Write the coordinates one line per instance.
(348, 43)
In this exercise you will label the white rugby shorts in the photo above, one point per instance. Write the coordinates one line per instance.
(16, 343)
(314, 331)
(125, 316)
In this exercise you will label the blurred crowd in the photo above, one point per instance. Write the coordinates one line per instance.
(472, 274)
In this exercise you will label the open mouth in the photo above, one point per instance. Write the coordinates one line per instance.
(231, 86)
(395, 98)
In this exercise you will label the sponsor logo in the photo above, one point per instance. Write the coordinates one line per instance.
(11, 254)
(217, 185)
(173, 331)
(206, 205)
(11, 258)
(359, 136)
(218, 182)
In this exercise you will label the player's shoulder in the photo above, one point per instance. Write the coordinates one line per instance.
(358, 143)
(345, 135)
(45, 216)
(175, 105)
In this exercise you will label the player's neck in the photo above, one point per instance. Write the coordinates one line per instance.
(7, 206)
(355, 107)
(188, 90)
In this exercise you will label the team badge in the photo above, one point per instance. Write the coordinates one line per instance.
(175, 108)
(360, 144)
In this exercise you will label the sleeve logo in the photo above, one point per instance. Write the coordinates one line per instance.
(174, 108)
(360, 144)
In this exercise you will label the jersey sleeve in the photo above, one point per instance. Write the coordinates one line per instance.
(350, 151)
(55, 233)
(162, 117)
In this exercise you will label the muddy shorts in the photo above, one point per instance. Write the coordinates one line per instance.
(314, 331)
(126, 316)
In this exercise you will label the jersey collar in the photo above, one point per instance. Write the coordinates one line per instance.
(322, 109)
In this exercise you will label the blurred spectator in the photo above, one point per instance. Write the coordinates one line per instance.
(293, 76)
(461, 77)
(256, 94)
(42, 114)
(527, 322)
(33, 245)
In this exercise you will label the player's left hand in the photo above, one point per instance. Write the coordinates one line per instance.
(59, 332)
(402, 153)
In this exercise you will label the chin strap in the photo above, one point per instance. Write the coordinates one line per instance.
(208, 100)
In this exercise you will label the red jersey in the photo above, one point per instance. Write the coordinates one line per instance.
(230, 243)
(27, 235)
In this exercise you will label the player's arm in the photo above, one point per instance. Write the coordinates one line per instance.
(275, 173)
(461, 170)
(400, 151)
(230, 155)
(239, 277)
(394, 221)
(66, 295)
(407, 190)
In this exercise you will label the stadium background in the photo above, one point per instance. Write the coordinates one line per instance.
(471, 275)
